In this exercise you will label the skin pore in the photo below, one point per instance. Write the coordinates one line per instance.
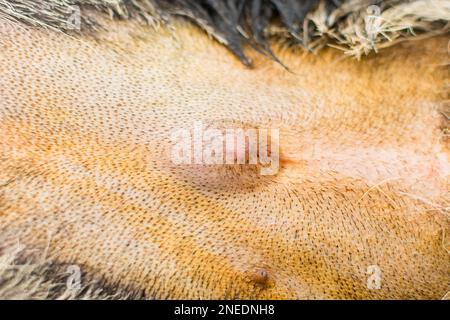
(85, 127)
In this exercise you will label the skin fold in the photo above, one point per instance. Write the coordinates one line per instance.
(85, 168)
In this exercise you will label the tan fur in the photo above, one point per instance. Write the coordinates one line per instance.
(84, 162)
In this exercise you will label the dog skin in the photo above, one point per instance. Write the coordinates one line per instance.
(362, 188)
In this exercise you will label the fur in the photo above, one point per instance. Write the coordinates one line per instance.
(350, 25)
(25, 275)
(342, 26)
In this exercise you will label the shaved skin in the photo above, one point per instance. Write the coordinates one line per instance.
(85, 166)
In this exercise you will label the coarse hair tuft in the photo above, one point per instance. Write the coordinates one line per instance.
(355, 26)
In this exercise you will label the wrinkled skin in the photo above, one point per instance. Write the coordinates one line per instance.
(84, 165)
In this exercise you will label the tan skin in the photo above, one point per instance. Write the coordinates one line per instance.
(85, 126)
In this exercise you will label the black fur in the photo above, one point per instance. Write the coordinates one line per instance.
(240, 22)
